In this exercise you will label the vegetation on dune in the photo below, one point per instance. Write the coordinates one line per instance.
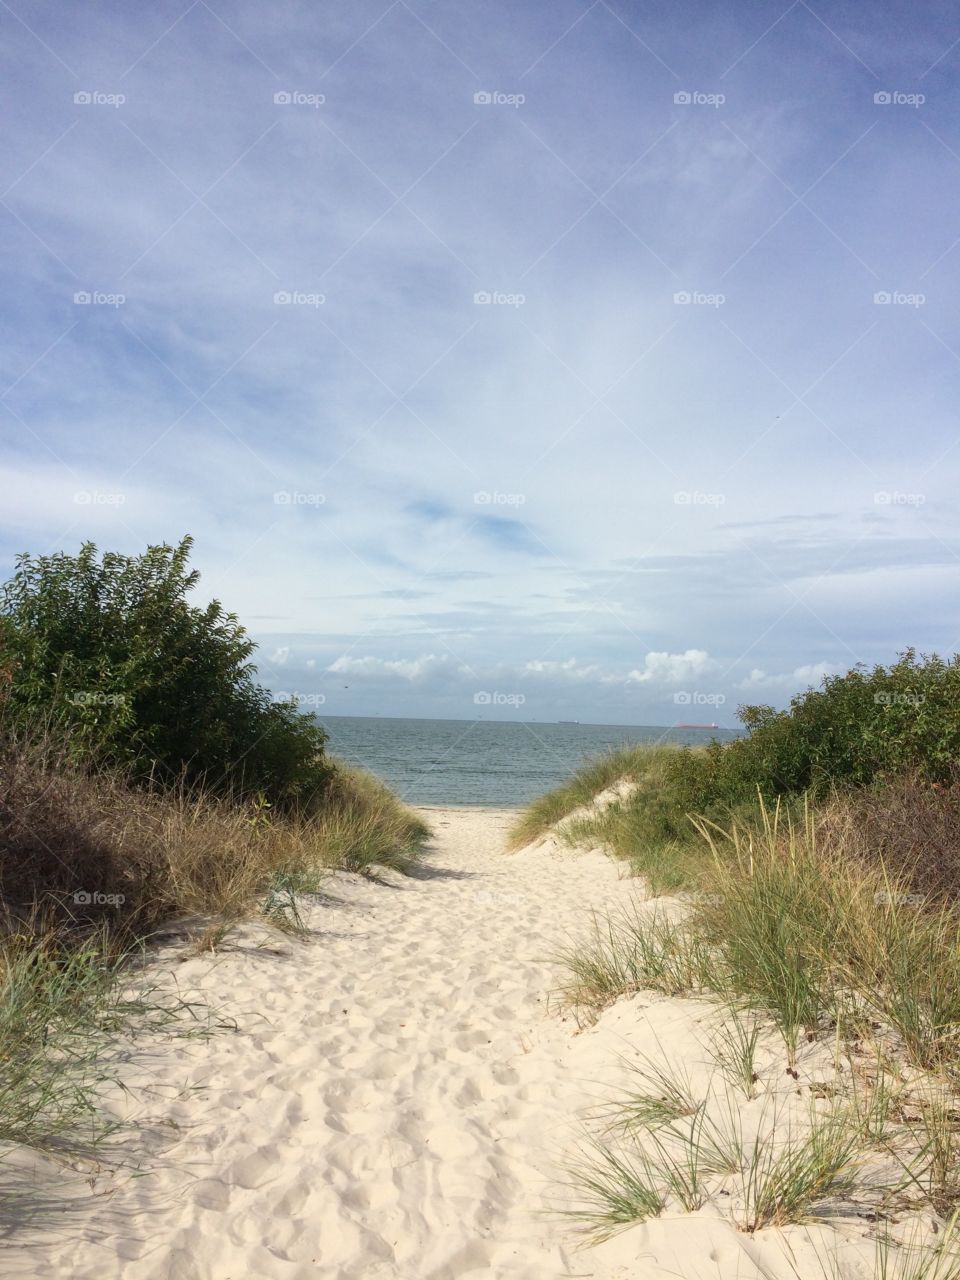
(88, 846)
(628, 763)
(790, 936)
(144, 775)
(363, 824)
(807, 877)
(63, 1010)
(883, 746)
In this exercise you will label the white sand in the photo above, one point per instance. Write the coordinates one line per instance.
(398, 1099)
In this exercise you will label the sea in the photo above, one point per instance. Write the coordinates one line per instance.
(498, 764)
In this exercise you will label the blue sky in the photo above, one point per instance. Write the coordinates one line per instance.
(598, 357)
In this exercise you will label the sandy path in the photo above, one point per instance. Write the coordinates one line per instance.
(393, 1103)
(397, 1101)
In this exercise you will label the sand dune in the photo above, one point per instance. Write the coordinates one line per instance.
(398, 1098)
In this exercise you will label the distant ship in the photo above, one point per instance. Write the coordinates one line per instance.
(696, 726)
(568, 722)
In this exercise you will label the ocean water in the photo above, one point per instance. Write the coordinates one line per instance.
(482, 762)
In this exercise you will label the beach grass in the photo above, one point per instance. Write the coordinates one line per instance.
(363, 825)
(615, 1187)
(628, 763)
(733, 1047)
(788, 919)
(64, 1006)
(659, 1094)
(783, 1175)
(785, 1179)
(633, 950)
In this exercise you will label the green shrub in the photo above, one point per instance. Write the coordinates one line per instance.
(853, 730)
(110, 650)
(862, 728)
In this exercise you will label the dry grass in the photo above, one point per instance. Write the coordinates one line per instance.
(90, 865)
(90, 849)
(363, 824)
(908, 826)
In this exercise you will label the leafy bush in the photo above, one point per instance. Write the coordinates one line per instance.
(110, 649)
(858, 729)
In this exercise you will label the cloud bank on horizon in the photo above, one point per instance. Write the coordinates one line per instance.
(568, 360)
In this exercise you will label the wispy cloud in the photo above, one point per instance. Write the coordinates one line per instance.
(470, 339)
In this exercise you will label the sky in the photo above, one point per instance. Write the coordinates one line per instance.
(576, 360)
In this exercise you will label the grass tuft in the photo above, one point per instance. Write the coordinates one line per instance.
(734, 1049)
(633, 951)
(616, 1187)
(785, 1179)
(663, 1093)
(63, 1006)
(628, 763)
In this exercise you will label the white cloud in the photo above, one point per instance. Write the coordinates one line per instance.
(809, 674)
(673, 668)
(280, 657)
(422, 668)
(569, 670)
